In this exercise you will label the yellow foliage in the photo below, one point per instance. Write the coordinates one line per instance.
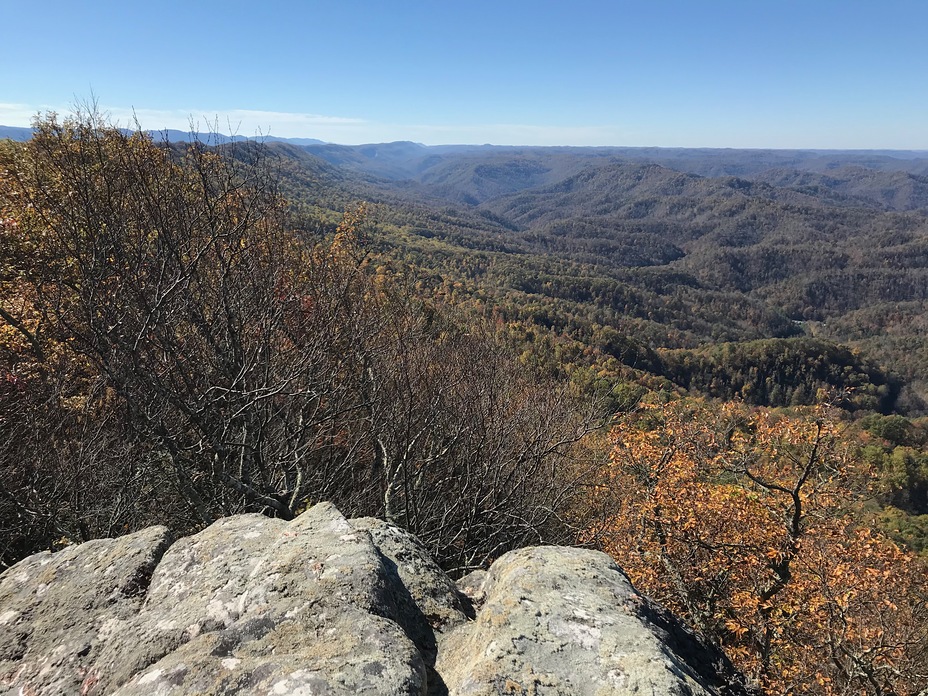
(739, 520)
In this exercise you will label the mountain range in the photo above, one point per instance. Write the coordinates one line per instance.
(172, 135)
(627, 252)
(672, 249)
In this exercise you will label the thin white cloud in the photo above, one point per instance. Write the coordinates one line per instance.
(285, 117)
(338, 129)
(19, 114)
(246, 122)
(353, 131)
(521, 134)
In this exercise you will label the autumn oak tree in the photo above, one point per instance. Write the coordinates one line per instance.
(741, 520)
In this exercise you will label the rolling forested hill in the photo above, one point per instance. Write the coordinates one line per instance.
(669, 249)
(604, 257)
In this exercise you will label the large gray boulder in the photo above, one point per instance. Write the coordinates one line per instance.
(325, 605)
(560, 620)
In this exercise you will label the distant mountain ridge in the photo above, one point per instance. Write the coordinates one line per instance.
(405, 158)
(412, 160)
(15, 133)
(172, 135)
(670, 248)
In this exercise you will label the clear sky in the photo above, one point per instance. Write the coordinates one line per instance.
(710, 73)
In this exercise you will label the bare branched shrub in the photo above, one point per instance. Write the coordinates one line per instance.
(473, 455)
(216, 358)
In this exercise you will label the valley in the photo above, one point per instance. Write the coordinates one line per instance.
(669, 249)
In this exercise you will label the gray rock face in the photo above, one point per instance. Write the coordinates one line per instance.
(558, 620)
(325, 605)
(54, 608)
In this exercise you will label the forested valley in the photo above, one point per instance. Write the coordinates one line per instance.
(711, 364)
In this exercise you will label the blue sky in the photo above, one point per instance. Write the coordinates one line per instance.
(693, 73)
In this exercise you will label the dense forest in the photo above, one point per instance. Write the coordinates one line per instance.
(711, 364)
(646, 243)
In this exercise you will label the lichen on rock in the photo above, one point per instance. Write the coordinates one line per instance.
(327, 605)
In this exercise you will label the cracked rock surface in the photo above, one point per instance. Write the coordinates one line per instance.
(326, 605)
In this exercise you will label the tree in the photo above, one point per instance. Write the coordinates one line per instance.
(742, 521)
(173, 275)
(252, 366)
(475, 455)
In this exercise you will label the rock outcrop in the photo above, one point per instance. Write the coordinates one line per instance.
(325, 605)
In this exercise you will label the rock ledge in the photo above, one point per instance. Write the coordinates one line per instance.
(326, 605)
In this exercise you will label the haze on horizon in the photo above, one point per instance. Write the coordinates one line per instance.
(827, 74)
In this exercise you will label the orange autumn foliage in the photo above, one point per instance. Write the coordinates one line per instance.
(742, 521)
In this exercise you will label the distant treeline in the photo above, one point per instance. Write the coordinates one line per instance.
(783, 372)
